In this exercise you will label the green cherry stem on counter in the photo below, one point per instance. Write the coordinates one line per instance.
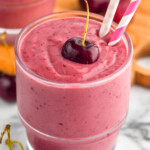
(87, 21)
(14, 142)
(7, 129)
(8, 142)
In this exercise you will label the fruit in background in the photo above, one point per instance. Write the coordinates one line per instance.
(7, 72)
(96, 6)
(7, 87)
(100, 6)
(7, 60)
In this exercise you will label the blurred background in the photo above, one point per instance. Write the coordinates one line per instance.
(16, 14)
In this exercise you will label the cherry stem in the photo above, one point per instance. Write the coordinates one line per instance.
(87, 21)
(8, 141)
(7, 129)
(14, 142)
(3, 39)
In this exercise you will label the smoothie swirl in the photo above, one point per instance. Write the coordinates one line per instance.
(41, 51)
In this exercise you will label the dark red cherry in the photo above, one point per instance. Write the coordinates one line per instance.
(96, 6)
(7, 87)
(74, 51)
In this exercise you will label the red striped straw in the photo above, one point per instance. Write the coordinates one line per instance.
(124, 22)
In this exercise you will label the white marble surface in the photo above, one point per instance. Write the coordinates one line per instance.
(134, 135)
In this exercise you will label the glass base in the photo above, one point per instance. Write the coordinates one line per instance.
(31, 148)
(11, 35)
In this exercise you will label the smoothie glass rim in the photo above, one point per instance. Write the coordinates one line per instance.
(83, 14)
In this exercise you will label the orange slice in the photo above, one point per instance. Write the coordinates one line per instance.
(7, 60)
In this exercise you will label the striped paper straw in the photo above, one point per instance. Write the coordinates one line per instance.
(110, 13)
(124, 22)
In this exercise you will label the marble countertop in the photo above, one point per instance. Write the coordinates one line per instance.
(134, 135)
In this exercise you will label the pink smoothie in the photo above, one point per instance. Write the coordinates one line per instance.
(18, 13)
(72, 100)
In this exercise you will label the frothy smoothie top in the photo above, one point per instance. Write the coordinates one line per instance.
(41, 51)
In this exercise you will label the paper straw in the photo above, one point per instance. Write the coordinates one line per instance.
(124, 22)
(110, 13)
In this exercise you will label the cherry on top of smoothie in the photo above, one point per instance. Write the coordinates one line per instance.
(74, 51)
(41, 49)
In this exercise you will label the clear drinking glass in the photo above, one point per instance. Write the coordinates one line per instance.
(56, 115)
(16, 14)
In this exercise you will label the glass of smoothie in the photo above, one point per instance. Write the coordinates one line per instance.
(16, 14)
(66, 105)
